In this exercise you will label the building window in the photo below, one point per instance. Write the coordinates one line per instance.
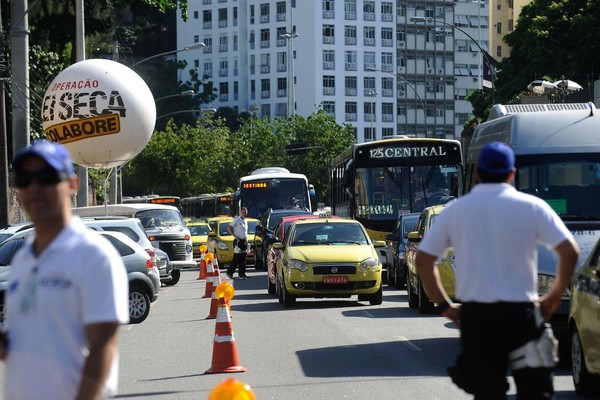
(281, 61)
(208, 69)
(499, 51)
(350, 82)
(329, 85)
(387, 61)
(350, 10)
(328, 34)
(223, 44)
(281, 87)
(196, 63)
(281, 10)
(265, 88)
(499, 28)
(350, 57)
(207, 19)
(328, 9)
(351, 111)
(222, 17)
(387, 12)
(369, 60)
(385, 132)
(369, 86)
(387, 37)
(329, 107)
(264, 13)
(208, 45)
(387, 87)
(265, 35)
(223, 68)
(195, 14)
(223, 91)
(265, 110)
(265, 63)
(328, 59)
(369, 11)
(369, 133)
(369, 35)
(350, 34)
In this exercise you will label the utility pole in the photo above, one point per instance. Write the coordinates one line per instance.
(82, 172)
(4, 188)
(19, 74)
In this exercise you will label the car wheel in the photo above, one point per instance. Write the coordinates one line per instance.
(425, 306)
(139, 304)
(391, 280)
(400, 282)
(270, 286)
(376, 298)
(288, 300)
(583, 381)
(278, 290)
(413, 302)
(175, 276)
(258, 261)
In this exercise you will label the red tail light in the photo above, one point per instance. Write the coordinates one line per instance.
(152, 261)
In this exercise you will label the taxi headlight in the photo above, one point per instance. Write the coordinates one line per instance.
(222, 245)
(299, 265)
(369, 263)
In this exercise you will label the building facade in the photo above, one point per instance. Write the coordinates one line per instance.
(503, 15)
(367, 62)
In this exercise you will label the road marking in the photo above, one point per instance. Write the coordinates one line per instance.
(410, 344)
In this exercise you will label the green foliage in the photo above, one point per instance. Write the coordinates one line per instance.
(186, 160)
(551, 38)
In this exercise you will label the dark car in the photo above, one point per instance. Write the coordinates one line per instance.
(397, 239)
(264, 231)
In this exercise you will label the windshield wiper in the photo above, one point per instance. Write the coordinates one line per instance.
(585, 217)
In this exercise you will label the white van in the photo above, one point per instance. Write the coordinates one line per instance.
(163, 224)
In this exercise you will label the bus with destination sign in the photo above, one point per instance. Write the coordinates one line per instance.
(208, 205)
(276, 188)
(376, 182)
(154, 199)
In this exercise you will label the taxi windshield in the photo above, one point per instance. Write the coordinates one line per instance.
(329, 234)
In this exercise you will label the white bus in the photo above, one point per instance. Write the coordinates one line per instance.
(557, 148)
(275, 188)
(163, 224)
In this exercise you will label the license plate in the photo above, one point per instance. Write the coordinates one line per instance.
(335, 279)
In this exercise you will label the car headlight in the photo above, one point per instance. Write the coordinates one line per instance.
(369, 263)
(222, 245)
(299, 265)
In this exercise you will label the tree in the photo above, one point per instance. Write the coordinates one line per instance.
(552, 37)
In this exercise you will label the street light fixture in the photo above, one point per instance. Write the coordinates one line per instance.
(182, 94)
(166, 53)
(484, 53)
(291, 92)
(410, 86)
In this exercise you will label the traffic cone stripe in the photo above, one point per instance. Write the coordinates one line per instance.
(223, 339)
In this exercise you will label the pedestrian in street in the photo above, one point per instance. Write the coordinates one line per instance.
(239, 229)
(67, 293)
(494, 232)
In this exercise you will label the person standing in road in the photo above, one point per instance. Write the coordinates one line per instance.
(67, 293)
(239, 229)
(494, 231)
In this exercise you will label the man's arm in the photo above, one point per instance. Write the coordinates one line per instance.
(102, 340)
(568, 252)
(430, 277)
(230, 230)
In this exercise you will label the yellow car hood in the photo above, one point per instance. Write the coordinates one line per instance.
(331, 253)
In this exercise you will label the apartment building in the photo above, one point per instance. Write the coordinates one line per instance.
(503, 15)
(369, 63)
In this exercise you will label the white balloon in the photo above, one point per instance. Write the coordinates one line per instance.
(101, 110)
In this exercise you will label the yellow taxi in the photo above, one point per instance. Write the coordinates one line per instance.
(584, 325)
(417, 298)
(199, 231)
(222, 241)
(328, 258)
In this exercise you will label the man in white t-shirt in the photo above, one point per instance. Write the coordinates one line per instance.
(494, 232)
(67, 294)
(239, 229)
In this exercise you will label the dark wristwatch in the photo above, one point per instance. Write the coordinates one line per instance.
(443, 306)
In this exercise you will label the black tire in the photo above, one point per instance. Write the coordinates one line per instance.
(2, 316)
(288, 300)
(175, 276)
(270, 286)
(258, 261)
(278, 291)
(376, 298)
(584, 382)
(391, 280)
(425, 306)
(400, 282)
(139, 304)
(413, 301)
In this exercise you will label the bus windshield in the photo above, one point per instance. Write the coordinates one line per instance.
(569, 183)
(160, 218)
(387, 192)
(260, 195)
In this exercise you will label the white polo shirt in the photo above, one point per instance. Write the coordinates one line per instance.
(494, 231)
(79, 279)
(240, 227)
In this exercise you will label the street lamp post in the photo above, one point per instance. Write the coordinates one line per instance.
(291, 90)
(372, 93)
(182, 94)
(413, 89)
(166, 53)
(484, 53)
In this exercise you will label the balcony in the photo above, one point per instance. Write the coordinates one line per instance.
(329, 91)
(207, 25)
(387, 117)
(351, 117)
(280, 17)
(350, 66)
(328, 14)
(222, 48)
(350, 40)
(350, 15)
(265, 69)
(351, 91)
(264, 19)
(369, 42)
(265, 94)
(328, 65)
(329, 39)
(223, 23)
(281, 93)
(264, 44)
(281, 68)
(223, 72)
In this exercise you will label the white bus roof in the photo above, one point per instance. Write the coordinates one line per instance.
(272, 175)
(544, 132)
(128, 210)
(500, 110)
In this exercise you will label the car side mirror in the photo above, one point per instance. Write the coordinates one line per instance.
(212, 234)
(379, 243)
(278, 246)
(258, 228)
(414, 237)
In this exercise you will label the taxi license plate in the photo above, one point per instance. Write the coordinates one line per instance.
(335, 279)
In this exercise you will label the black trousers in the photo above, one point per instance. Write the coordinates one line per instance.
(489, 332)
(239, 261)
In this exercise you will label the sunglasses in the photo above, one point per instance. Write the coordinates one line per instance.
(44, 177)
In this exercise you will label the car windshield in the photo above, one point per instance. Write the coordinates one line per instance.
(199, 230)
(275, 218)
(329, 234)
(224, 232)
(160, 218)
(408, 225)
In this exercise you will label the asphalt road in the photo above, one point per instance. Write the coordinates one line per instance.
(321, 349)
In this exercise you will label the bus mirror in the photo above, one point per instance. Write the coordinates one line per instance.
(236, 195)
(414, 237)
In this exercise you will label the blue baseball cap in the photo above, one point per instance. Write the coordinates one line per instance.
(496, 158)
(55, 154)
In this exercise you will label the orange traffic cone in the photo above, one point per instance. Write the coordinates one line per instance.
(209, 280)
(225, 356)
(214, 302)
(201, 268)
